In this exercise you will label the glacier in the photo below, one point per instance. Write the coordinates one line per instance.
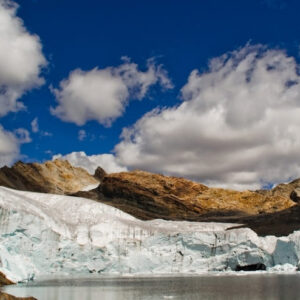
(45, 234)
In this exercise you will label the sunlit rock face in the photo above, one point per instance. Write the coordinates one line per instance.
(44, 234)
(149, 196)
(57, 177)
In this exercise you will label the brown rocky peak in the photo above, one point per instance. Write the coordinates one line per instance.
(99, 174)
(58, 177)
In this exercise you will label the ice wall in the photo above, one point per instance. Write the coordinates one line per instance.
(42, 234)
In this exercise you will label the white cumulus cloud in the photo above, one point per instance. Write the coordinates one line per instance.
(238, 125)
(102, 94)
(10, 144)
(21, 59)
(90, 162)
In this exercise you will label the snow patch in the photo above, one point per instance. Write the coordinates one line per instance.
(90, 187)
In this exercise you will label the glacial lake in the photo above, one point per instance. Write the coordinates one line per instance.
(218, 286)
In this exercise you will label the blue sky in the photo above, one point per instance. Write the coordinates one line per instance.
(180, 36)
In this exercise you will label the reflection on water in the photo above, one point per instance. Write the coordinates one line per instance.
(254, 286)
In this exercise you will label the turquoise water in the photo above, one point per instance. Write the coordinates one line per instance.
(243, 286)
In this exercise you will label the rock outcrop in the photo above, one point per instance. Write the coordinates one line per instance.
(100, 174)
(4, 280)
(280, 223)
(295, 195)
(3, 296)
(151, 196)
(58, 177)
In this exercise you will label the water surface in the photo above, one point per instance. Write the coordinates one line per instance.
(243, 286)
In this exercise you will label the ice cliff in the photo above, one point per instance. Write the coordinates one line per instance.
(43, 234)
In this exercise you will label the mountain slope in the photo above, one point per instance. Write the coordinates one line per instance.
(57, 176)
(280, 223)
(149, 196)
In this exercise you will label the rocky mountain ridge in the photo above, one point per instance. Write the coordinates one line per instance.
(153, 196)
(57, 177)
(188, 197)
